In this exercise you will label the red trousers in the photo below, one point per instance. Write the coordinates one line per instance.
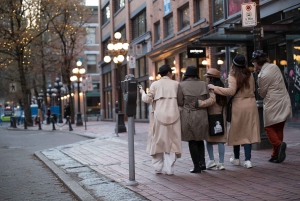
(275, 135)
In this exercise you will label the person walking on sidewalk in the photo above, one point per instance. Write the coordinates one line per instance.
(219, 107)
(244, 127)
(40, 115)
(164, 138)
(277, 103)
(194, 120)
(67, 111)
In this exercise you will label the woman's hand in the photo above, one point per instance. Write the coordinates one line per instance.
(211, 86)
(142, 91)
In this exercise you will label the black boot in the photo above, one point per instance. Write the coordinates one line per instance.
(202, 163)
(195, 156)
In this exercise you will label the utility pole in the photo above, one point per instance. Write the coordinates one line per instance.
(257, 36)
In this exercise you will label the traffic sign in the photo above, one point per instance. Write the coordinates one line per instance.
(12, 87)
(249, 18)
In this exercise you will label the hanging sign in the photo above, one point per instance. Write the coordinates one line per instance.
(195, 52)
(138, 50)
(131, 62)
(84, 86)
(249, 14)
(89, 86)
(131, 51)
(89, 78)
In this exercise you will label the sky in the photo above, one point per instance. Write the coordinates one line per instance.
(91, 2)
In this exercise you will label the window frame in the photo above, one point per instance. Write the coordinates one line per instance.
(197, 11)
(118, 5)
(167, 20)
(157, 31)
(136, 24)
(105, 19)
(181, 15)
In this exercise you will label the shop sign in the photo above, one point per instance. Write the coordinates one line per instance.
(195, 52)
(249, 14)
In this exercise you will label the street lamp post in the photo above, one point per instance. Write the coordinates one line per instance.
(59, 88)
(77, 77)
(116, 51)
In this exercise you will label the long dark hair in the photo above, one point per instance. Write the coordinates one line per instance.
(242, 76)
(220, 100)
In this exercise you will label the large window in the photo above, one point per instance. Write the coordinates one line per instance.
(105, 14)
(104, 46)
(218, 13)
(119, 4)
(184, 15)
(91, 63)
(197, 10)
(107, 79)
(139, 25)
(157, 31)
(108, 105)
(169, 26)
(91, 35)
(141, 68)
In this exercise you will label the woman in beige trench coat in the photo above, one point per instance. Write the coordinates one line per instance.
(244, 127)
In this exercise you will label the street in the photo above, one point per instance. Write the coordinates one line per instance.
(23, 176)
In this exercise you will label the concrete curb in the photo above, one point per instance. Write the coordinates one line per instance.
(72, 185)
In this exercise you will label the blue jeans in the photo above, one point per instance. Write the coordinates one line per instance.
(247, 150)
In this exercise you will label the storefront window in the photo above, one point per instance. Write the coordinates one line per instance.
(218, 13)
(142, 108)
(108, 105)
(293, 74)
(184, 62)
(141, 68)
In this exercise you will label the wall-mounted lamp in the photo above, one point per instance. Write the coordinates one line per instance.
(183, 70)
(204, 62)
(147, 90)
(158, 77)
(220, 62)
(151, 78)
(174, 70)
(283, 62)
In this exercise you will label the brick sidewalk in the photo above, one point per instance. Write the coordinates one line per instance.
(108, 155)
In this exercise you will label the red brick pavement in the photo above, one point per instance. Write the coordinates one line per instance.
(108, 155)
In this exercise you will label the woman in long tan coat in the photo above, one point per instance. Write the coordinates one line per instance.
(244, 127)
(218, 107)
(194, 121)
(164, 137)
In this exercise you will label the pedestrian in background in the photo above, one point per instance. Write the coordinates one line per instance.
(164, 138)
(277, 103)
(194, 120)
(219, 107)
(40, 114)
(67, 112)
(244, 127)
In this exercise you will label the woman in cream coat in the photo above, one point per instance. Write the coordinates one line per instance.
(244, 127)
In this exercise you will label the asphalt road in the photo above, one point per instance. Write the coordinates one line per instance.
(22, 175)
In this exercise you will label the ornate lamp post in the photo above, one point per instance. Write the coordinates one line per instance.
(116, 51)
(58, 85)
(77, 77)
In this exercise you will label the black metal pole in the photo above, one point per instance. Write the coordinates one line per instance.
(79, 119)
(259, 100)
(59, 104)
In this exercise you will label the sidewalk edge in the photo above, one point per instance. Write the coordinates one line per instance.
(73, 186)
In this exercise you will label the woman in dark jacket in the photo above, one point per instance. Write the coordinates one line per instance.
(194, 121)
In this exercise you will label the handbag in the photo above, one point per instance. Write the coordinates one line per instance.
(216, 124)
(229, 107)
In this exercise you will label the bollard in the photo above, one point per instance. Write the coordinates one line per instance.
(53, 123)
(69, 121)
(14, 122)
(25, 124)
(39, 122)
(11, 122)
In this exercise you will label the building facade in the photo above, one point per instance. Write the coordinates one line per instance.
(194, 32)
